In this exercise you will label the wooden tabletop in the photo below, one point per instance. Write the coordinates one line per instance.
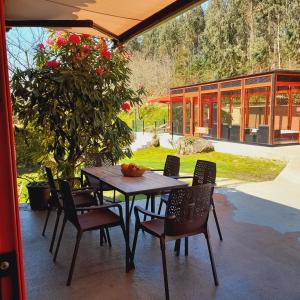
(148, 183)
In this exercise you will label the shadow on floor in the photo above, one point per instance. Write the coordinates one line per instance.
(258, 259)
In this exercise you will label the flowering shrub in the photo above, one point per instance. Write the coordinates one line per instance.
(73, 96)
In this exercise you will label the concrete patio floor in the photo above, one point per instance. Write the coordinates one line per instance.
(258, 259)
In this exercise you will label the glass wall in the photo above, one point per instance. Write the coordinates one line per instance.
(257, 115)
(231, 115)
(177, 117)
(287, 114)
(210, 113)
(196, 112)
(188, 116)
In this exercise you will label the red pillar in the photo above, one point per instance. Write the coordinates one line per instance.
(10, 233)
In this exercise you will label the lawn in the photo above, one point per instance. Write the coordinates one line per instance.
(228, 166)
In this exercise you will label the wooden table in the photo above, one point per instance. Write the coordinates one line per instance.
(150, 183)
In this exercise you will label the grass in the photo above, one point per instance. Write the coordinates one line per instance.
(228, 166)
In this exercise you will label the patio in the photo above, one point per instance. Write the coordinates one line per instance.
(258, 259)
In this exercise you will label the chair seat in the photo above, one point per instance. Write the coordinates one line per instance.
(84, 199)
(155, 226)
(95, 219)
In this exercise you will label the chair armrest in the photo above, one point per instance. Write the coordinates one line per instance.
(83, 189)
(98, 207)
(147, 213)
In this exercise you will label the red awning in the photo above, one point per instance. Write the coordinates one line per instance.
(164, 99)
(120, 20)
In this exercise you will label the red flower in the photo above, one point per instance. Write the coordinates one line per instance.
(106, 53)
(125, 106)
(85, 35)
(85, 48)
(41, 46)
(61, 42)
(74, 39)
(52, 64)
(99, 71)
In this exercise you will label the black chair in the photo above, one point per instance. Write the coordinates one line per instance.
(97, 217)
(186, 215)
(82, 197)
(99, 160)
(171, 169)
(204, 172)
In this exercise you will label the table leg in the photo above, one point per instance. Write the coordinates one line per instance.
(152, 204)
(129, 263)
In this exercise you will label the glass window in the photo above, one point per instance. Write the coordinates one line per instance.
(236, 110)
(177, 117)
(196, 113)
(188, 117)
(258, 107)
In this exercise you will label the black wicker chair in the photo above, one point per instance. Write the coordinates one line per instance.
(171, 169)
(101, 159)
(97, 217)
(82, 197)
(186, 215)
(204, 172)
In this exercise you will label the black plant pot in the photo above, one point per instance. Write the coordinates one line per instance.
(39, 194)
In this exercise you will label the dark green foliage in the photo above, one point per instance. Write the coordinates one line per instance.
(228, 38)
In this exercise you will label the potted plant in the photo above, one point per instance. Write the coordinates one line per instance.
(38, 193)
(73, 96)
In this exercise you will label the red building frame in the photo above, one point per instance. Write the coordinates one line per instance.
(269, 111)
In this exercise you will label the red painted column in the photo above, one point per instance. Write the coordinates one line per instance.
(10, 233)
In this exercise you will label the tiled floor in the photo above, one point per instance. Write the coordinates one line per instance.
(258, 259)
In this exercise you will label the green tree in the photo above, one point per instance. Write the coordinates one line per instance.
(73, 96)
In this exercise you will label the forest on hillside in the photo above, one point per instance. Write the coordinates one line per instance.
(224, 39)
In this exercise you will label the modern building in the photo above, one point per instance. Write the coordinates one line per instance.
(260, 108)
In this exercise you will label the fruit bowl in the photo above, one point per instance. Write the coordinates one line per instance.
(132, 170)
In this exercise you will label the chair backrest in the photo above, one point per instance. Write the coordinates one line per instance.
(53, 190)
(205, 172)
(172, 166)
(188, 210)
(97, 160)
(68, 203)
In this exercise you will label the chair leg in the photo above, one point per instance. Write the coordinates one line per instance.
(79, 234)
(186, 246)
(108, 236)
(160, 206)
(147, 206)
(177, 247)
(59, 239)
(212, 261)
(163, 255)
(114, 198)
(217, 221)
(58, 214)
(46, 221)
(134, 242)
(103, 238)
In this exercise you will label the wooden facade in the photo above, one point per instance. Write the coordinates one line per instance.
(261, 108)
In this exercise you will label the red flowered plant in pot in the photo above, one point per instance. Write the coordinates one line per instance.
(73, 96)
